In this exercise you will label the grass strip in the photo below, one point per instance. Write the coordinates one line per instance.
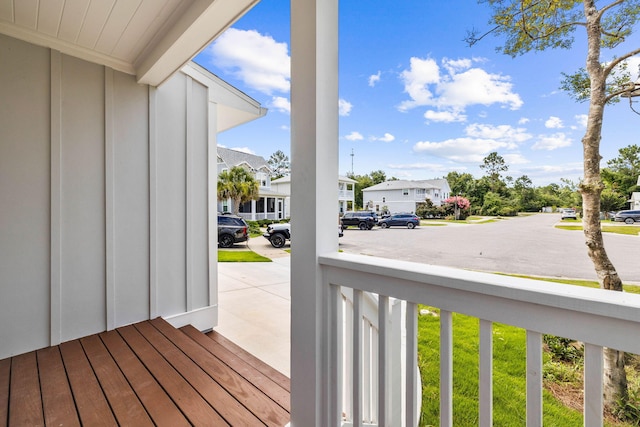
(240, 256)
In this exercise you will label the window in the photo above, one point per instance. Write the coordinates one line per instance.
(421, 192)
(405, 191)
(384, 199)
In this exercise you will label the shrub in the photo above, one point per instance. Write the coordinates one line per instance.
(563, 349)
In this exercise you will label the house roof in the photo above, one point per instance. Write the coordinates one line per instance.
(150, 39)
(236, 158)
(286, 179)
(234, 107)
(401, 184)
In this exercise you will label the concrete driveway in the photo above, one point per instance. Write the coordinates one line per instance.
(523, 245)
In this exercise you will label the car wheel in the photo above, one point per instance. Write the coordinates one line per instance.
(225, 241)
(363, 226)
(277, 240)
(411, 225)
(384, 225)
(628, 221)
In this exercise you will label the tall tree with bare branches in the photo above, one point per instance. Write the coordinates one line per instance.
(537, 25)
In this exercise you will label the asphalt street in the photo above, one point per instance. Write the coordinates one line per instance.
(529, 245)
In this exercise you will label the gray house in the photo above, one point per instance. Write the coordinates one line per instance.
(272, 203)
(403, 195)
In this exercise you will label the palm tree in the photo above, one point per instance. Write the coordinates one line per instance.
(239, 185)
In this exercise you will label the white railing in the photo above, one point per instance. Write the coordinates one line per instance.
(596, 317)
(345, 194)
(365, 363)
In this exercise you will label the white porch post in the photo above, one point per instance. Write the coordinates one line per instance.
(314, 153)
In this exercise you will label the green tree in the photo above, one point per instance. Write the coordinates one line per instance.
(525, 194)
(279, 164)
(530, 25)
(493, 165)
(622, 172)
(378, 177)
(239, 185)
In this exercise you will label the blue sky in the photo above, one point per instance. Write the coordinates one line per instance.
(415, 100)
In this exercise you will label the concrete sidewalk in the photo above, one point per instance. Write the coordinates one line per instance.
(254, 304)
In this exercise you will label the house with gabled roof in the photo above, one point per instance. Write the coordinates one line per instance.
(404, 195)
(346, 193)
(271, 204)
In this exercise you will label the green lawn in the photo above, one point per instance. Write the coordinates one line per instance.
(509, 375)
(618, 229)
(509, 371)
(240, 256)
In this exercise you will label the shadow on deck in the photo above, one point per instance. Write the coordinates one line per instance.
(144, 374)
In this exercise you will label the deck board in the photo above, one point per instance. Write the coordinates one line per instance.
(161, 408)
(258, 406)
(264, 383)
(93, 408)
(25, 402)
(123, 401)
(57, 401)
(249, 358)
(148, 373)
(5, 379)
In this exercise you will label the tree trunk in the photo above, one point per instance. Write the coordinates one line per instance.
(615, 379)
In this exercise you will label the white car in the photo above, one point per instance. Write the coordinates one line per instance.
(568, 214)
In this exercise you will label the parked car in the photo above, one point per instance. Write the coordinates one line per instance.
(278, 234)
(568, 214)
(231, 230)
(403, 220)
(364, 220)
(629, 217)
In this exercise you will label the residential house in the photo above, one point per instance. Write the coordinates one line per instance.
(346, 193)
(634, 201)
(106, 183)
(404, 195)
(271, 204)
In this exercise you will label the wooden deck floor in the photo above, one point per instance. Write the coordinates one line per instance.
(144, 374)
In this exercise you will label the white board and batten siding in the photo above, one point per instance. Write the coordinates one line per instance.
(104, 189)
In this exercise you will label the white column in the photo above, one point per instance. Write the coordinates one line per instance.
(314, 152)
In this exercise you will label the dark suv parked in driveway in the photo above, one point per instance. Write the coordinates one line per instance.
(364, 220)
(231, 229)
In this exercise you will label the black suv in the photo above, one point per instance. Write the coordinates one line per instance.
(231, 229)
(364, 220)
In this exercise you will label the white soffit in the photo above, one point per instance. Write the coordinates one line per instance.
(234, 107)
(148, 38)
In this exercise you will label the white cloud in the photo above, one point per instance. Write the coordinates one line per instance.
(582, 120)
(244, 150)
(523, 121)
(464, 150)
(553, 123)
(552, 142)
(387, 137)
(515, 159)
(454, 87)
(258, 60)
(437, 167)
(374, 79)
(445, 116)
(354, 136)
(285, 127)
(344, 107)
(510, 135)
(480, 140)
(281, 104)
(421, 73)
